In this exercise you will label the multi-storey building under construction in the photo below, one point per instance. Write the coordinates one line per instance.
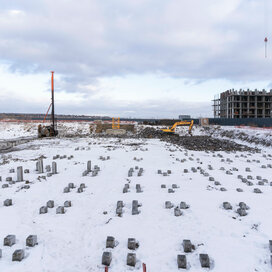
(243, 104)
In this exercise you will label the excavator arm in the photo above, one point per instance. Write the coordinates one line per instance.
(181, 123)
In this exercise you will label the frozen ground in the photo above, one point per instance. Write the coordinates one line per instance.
(75, 241)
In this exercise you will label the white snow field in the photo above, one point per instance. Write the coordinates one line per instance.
(76, 240)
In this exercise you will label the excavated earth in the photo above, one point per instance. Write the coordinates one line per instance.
(198, 143)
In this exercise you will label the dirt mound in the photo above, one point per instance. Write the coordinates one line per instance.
(198, 143)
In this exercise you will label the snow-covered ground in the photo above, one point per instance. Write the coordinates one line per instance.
(76, 240)
(14, 130)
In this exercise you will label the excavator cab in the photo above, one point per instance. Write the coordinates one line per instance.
(172, 129)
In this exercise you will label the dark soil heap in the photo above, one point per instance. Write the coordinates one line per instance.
(198, 143)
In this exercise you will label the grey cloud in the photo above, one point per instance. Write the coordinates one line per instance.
(91, 39)
(148, 109)
(98, 38)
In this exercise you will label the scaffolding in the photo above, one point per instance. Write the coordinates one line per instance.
(115, 123)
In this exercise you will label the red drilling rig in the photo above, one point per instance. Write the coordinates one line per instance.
(51, 130)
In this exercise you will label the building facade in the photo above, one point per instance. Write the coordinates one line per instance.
(184, 117)
(243, 104)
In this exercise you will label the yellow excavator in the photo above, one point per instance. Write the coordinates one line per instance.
(180, 123)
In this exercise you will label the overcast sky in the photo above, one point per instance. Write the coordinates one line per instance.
(131, 58)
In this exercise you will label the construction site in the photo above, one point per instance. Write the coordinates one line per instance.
(119, 195)
(119, 160)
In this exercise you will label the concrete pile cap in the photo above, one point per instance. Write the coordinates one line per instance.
(106, 258)
(187, 246)
(110, 242)
(31, 240)
(182, 262)
(18, 255)
(204, 260)
(50, 204)
(10, 240)
(131, 259)
(132, 244)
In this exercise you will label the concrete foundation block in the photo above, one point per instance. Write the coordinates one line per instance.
(50, 204)
(106, 258)
(10, 240)
(20, 174)
(60, 210)
(89, 166)
(119, 211)
(182, 262)
(120, 204)
(97, 168)
(67, 204)
(131, 259)
(204, 260)
(66, 190)
(8, 202)
(82, 185)
(241, 212)
(18, 255)
(183, 205)
(48, 168)
(135, 206)
(187, 246)
(243, 205)
(31, 240)
(227, 206)
(270, 245)
(54, 168)
(71, 185)
(168, 205)
(43, 210)
(132, 244)
(115, 131)
(110, 242)
(177, 211)
(138, 188)
(94, 173)
(40, 166)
